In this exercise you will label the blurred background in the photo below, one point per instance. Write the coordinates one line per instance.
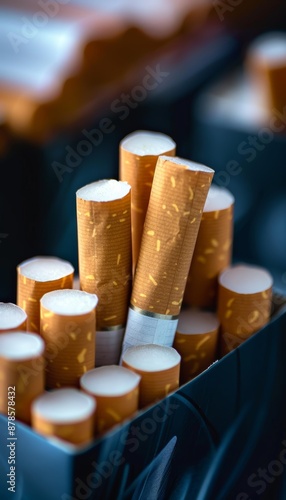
(77, 76)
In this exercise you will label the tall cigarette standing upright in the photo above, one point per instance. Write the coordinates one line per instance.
(104, 244)
(213, 249)
(139, 153)
(36, 277)
(177, 199)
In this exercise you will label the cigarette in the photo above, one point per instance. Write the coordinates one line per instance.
(139, 153)
(37, 276)
(68, 328)
(12, 318)
(158, 367)
(244, 303)
(116, 391)
(104, 245)
(21, 372)
(171, 226)
(213, 250)
(266, 64)
(196, 341)
(65, 413)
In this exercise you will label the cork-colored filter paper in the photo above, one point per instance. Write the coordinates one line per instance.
(68, 327)
(213, 249)
(66, 413)
(22, 368)
(158, 367)
(116, 391)
(196, 341)
(36, 277)
(177, 199)
(139, 153)
(104, 245)
(244, 304)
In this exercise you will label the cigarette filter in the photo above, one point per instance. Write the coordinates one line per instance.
(213, 249)
(12, 318)
(196, 341)
(36, 277)
(21, 372)
(116, 391)
(139, 153)
(68, 328)
(172, 222)
(266, 64)
(104, 244)
(158, 367)
(65, 413)
(244, 303)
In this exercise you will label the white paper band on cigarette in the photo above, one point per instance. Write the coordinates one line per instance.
(108, 347)
(177, 199)
(145, 329)
(12, 317)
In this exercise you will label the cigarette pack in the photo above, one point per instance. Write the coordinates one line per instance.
(205, 440)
